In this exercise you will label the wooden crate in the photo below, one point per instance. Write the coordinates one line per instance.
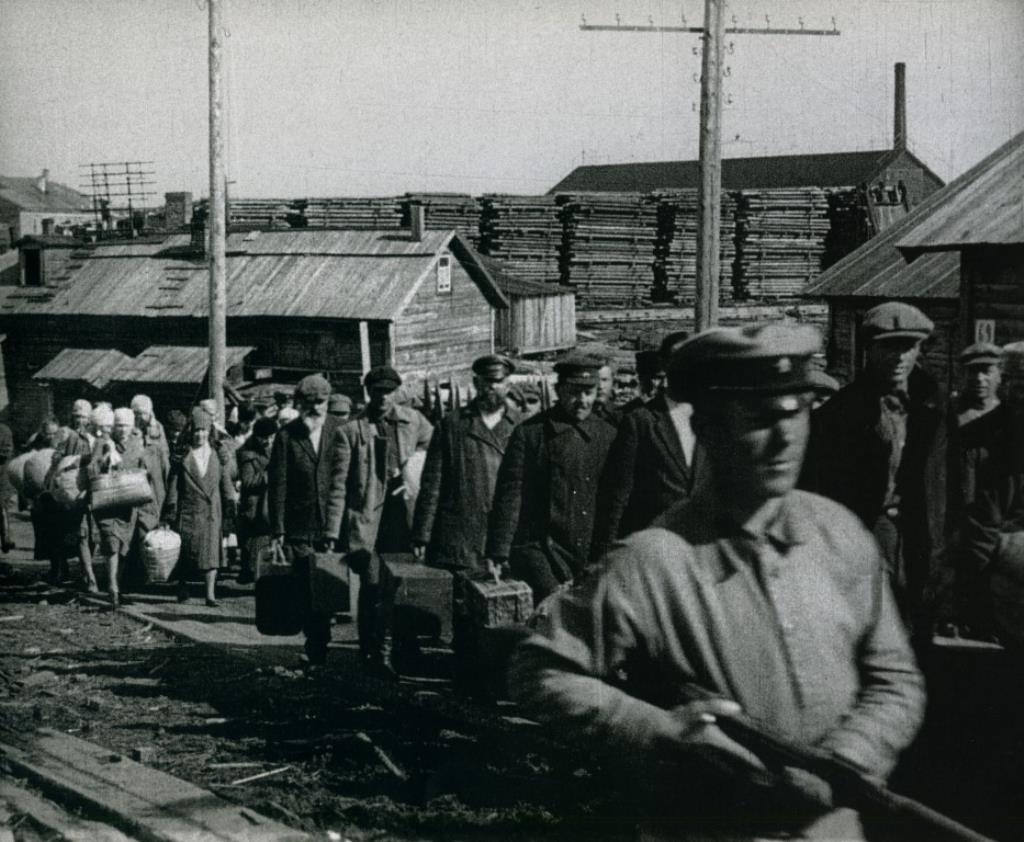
(491, 604)
(423, 597)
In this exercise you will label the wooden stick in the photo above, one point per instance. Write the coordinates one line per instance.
(387, 761)
(260, 776)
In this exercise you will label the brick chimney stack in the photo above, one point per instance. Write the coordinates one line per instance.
(417, 221)
(899, 129)
(42, 181)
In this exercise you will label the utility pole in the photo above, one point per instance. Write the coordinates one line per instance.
(709, 192)
(217, 219)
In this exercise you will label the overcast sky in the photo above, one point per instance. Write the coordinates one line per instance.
(377, 97)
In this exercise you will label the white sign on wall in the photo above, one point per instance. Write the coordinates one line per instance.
(985, 330)
(444, 274)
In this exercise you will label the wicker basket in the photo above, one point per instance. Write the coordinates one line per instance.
(118, 489)
(160, 551)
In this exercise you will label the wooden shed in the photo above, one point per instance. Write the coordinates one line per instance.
(979, 222)
(336, 302)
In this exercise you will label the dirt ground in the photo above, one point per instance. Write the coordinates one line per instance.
(346, 754)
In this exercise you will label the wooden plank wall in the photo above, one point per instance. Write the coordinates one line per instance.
(438, 335)
(995, 278)
(534, 324)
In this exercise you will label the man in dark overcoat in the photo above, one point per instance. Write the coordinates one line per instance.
(376, 448)
(879, 447)
(652, 465)
(542, 520)
(306, 494)
(461, 470)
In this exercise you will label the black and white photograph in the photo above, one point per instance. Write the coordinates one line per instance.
(511, 420)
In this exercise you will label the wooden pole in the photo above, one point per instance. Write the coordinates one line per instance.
(709, 192)
(218, 224)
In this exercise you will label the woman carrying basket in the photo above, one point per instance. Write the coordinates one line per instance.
(198, 488)
(117, 451)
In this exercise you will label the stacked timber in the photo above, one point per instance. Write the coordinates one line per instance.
(352, 212)
(675, 267)
(444, 211)
(264, 213)
(524, 233)
(780, 241)
(608, 253)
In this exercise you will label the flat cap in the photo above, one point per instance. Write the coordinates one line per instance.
(200, 418)
(671, 341)
(264, 427)
(339, 403)
(896, 319)
(579, 368)
(649, 363)
(493, 367)
(313, 387)
(981, 353)
(757, 359)
(823, 384)
(382, 376)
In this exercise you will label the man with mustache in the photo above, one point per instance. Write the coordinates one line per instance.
(542, 520)
(770, 599)
(879, 447)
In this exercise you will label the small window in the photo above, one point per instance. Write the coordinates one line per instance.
(444, 274)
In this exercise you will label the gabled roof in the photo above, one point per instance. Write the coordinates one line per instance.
(58, 198)
(157, 364)
(985, 206)
(95, 366)
(829, 169)
(304, 273)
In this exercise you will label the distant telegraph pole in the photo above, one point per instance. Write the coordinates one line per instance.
(709, 193)
(218, 221)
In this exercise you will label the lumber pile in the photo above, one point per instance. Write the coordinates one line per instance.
(353, 212)
(265, 213)
(444, 211)
(780, 241)
(524, 233)
(608, 251)
(675, 268)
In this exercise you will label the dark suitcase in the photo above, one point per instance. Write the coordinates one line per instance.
(423, 597)
(331, 591)
(280, 605)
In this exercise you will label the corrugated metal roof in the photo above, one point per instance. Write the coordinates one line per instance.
(175, 364)
(985, 206)
(153, 280)
(58, 198)
(518, 287)
(95, 366)
(830, 169)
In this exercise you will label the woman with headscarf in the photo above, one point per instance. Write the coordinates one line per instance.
(116, 448)
(197, 490)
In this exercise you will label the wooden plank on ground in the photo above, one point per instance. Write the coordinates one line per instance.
(144, 802)
(52, 818)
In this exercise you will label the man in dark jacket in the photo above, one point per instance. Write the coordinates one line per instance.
(542, 521)
(307, 495)
(650, 375)
(651, 466)
(450, 526)
(879, 447)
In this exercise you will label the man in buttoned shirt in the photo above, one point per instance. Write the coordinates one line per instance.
(773, 599)
(542, 520)
(879, 447)
(461, 470)
(650, 467)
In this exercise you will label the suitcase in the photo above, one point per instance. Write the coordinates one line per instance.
(490, 604)
(119, 489)
(280, 605)
(329, 583)
(423, 597)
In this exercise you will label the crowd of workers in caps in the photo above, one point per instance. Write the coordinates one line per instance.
(743, 536)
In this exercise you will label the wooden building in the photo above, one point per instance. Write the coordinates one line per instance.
(959, 256)
(39, 206)
(336, 302)
(979, 222)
